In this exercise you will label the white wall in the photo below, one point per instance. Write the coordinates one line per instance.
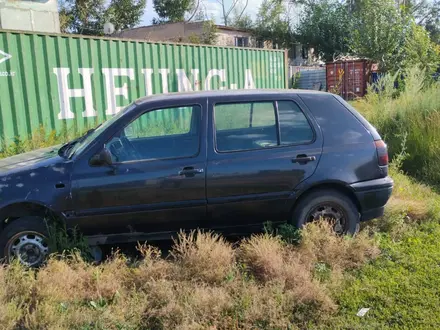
(30, 15)
(227, 38)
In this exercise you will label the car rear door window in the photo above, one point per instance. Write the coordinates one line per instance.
(254, 125)
(294, 126)
(245, 126)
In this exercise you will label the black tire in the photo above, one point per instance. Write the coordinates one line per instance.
(302, 211)
(31, 225)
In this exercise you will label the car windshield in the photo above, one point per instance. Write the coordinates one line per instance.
(82, 143)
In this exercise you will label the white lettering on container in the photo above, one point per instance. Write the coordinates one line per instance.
(112, 90)
(65, 93)
(184, 84)
(213, 73)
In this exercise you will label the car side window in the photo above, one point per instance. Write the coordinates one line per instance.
(294, 126)
(159, 134)
(245, 126)
(253, 125)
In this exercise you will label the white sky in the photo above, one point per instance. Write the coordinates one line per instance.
(213, 9)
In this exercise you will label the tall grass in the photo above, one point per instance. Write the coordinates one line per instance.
(414, 115)
(39, 139)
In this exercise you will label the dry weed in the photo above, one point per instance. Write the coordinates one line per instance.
(264, 256)
(16, 283)
(271, 262)
(162, 310)
(11, 309)
(203, 256)
(260, 306)
(203, 305)
(201, 287)
(321, 244)
(152, 268)
(75, 280)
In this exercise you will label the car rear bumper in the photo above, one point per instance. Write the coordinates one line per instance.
(372, 196)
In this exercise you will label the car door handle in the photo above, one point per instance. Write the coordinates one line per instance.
(191, 171)
(303, 159)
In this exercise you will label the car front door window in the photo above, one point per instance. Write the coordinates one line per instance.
(159, 134)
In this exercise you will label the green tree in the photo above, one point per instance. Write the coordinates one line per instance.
(420, 51)
(272, 24)
(324, 26)
(433, 27)
(431, 21)
(243, 22)
(82, 16)
(236, 8)
(208, 36)
(378, 31)
(426, 13)
(171, 11)
(125, 14)
(87, 17)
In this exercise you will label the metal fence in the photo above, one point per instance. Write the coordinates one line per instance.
(304, 77)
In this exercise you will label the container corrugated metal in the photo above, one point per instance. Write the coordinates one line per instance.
(65, 82)
(348, 78)
(313, 78)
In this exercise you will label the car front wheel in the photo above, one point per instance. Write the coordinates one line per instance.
(329, 205)
(25, 240)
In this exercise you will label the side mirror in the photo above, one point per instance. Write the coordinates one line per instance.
(104, 157)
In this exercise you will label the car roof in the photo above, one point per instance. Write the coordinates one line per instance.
(225, 93)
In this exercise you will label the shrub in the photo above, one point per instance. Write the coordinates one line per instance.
(67, 241)
(288, 233)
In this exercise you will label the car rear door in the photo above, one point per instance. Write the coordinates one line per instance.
(260, 148)
(158, 185)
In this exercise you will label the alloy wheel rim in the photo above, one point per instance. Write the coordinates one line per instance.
(29, 248)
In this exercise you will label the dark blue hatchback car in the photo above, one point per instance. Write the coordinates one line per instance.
(226, 161)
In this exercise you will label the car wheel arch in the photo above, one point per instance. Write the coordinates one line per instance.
(22, 209)
(330, 185)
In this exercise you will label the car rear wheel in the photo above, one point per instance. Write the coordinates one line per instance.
(329, 205)
(25, 240)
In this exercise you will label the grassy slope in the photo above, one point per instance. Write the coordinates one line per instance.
(402, 286)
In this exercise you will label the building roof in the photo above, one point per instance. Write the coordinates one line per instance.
(230, 28)
(153, 26)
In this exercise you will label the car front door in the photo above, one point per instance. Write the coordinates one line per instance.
(157, 180)
(261, 149)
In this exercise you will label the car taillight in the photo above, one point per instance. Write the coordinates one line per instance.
(382, 152)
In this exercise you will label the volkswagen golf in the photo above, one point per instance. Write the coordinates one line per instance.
(226, 161)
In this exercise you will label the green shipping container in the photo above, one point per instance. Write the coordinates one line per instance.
(64, 82)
